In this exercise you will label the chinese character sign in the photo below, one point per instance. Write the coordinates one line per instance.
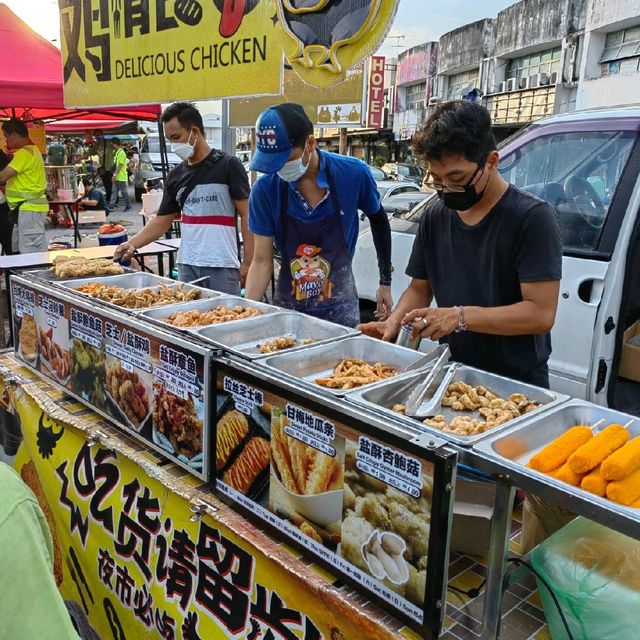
(118, 52)
(133, 51)
(129, 553)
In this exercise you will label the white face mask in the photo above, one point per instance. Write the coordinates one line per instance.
(294, 169)
(184, 150)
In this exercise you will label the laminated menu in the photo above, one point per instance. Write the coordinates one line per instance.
(150, 383)
(357, 503)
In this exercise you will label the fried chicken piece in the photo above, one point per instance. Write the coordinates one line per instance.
(277, 344)
(352, 372)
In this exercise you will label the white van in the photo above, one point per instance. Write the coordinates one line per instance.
(150, 164)
(587, 166)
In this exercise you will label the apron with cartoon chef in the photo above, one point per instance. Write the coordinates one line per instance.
(315, 273)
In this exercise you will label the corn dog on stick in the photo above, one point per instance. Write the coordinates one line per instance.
(600, 447)
(556, 453)
(594, 482)
(622, 462)
(565, 474)
(625, 491)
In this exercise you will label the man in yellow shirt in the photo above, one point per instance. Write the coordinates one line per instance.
(120, 177)
(26, 182)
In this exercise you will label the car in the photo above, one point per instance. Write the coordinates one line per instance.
(587, 166)
(404, 172)
(377, 173)
(388, 188)
(150, 163)
(402, 203)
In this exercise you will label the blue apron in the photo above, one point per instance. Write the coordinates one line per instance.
(315, 274)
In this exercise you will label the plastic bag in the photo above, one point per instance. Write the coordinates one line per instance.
(595, 574)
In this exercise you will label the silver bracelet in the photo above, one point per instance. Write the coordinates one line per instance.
(462, 325)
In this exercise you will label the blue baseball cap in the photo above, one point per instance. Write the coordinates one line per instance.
(277, 129)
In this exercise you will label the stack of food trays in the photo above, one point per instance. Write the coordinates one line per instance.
(392, 394)
(274, 332)
(139, 289)
(324, 365)
(514, 448)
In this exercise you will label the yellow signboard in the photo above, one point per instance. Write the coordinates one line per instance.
(336, 106)
(324, 38)
(130, 553)
(119, 52)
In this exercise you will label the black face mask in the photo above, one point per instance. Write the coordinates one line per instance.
(463, 200)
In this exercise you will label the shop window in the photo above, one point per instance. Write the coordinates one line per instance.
(621, 53)
(460, 82)
(546, 61)
(416, 96)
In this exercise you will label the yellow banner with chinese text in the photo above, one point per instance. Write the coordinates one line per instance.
(130, 552)
(121, 53)
(124, 52)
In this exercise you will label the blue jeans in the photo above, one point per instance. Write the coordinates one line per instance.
(121, 188)
(218, 278)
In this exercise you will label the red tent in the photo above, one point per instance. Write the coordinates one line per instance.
(31, 78)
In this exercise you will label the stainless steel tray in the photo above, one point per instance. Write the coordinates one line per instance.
(386, 394)
(244, 342)
(135, 280)
(319, 361)
(514, 447)
(160, 314)
(146, 280)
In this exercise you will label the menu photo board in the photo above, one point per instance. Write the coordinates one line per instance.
(151, 384)
(365, 502)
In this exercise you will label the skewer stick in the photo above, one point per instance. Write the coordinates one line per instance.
(626, 426)
(597, 424)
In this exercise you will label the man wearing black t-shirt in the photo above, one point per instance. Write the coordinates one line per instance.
(490, 255)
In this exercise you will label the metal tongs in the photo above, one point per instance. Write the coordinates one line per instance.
(414, 402)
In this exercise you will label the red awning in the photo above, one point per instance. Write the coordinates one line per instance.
(81, 125)
(31, 78)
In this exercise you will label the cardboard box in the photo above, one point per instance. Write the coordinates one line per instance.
(98, 216)
(472, 513)
(630, 361)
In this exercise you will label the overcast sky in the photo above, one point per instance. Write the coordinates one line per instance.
(414, 20)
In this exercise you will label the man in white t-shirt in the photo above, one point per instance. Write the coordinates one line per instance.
(205, 190)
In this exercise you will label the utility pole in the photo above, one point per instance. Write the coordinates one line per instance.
(228, 141)
(342, 149)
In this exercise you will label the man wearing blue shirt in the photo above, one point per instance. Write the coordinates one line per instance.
(307, 205)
